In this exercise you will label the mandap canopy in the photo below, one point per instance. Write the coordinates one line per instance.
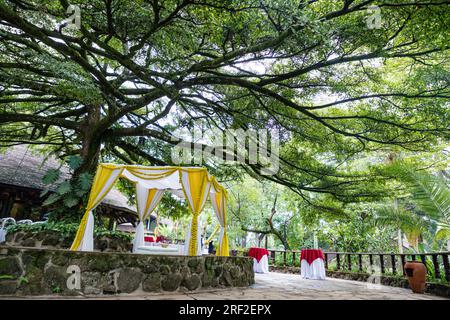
(193, 184)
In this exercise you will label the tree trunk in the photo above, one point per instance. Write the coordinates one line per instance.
(91, 142)
(271, 229)
(282, 239)
(279, 234)
(89, 153)
(315, 241)
(400, 241)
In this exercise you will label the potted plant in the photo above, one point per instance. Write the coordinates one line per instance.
(416, 272)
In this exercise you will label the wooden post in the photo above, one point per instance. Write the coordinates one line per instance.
(371, 262)
(284, 258)
(424, 260)
(437, 272)
(293, 258)
(402, 257)
(110, 224)
(349, 262)
(394, 269)
(382, 264)
(446, 267)
(360, 262)
(326, 261)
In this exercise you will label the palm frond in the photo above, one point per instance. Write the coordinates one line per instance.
(429, 192)
(407, 221)
(442, 234)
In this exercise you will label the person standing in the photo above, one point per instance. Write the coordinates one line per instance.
(211, 247)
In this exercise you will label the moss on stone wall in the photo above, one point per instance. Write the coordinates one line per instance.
(31, 271)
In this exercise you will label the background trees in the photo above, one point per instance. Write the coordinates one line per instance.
(413, 217)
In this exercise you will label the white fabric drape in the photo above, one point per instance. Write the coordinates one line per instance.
(171, 181)
(315, 270)
(262, 266)
(146, 202)
(221, 235)
(219, 210)
(87, 243)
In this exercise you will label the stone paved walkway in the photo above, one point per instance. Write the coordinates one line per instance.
(279, 286)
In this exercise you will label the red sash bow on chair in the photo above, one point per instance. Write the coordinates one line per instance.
(311, 254)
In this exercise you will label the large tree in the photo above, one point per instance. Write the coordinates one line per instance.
(329, 76)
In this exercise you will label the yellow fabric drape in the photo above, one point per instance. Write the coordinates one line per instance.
(217, 187)
(103, 174)
(217, 228)
(196, 192)
(151, 175)
(151, 195)
(219, 197)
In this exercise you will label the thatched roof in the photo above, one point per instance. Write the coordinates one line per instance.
(20, 166)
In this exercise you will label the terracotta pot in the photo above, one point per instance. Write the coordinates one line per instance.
(416, 272)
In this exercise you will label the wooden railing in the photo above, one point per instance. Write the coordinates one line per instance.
(387, 263)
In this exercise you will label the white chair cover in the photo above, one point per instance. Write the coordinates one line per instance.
(315, 270)
(262, 266)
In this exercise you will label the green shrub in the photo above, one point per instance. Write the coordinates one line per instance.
(67, 230)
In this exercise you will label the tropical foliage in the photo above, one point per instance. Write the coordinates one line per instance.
(430, 208)
(66, 230)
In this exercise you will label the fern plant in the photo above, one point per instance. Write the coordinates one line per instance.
(68, 194)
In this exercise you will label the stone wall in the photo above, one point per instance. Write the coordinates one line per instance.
(30, 271)
(54, 240)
